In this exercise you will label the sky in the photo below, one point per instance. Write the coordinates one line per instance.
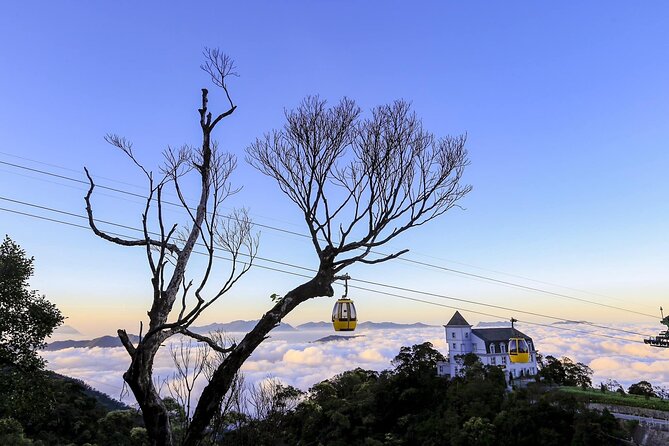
(564, 106)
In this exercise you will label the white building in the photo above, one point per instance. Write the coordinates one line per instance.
(489, 344)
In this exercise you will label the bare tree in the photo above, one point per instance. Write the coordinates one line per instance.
(359, 183)
(194, 362)
(177, 301)
(190, 363)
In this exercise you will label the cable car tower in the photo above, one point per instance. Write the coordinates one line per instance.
(344, 317)
(662, 339)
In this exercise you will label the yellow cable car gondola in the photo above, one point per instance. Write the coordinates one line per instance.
(344, 316)
(519, 350)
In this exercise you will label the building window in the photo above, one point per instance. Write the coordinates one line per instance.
(493, 361)
(454, 346)
(503, 359)
(453, 335)
(502, 348)
(492, 348)
(466, 335)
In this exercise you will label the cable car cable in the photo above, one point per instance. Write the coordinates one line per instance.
(590, 333)
(439, 267)
(499, 307)
(407, 260)
(378, 284)
(399, 288)
(312, 270)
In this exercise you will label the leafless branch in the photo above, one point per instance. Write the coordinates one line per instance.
(372, 178)
(91, 222)
(210, 342)
(219, 66)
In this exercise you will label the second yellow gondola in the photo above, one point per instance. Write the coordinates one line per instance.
(519, 351)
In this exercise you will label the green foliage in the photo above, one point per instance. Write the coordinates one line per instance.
(643, 388)
(38, 407)
(26, 318)
(607, 397)
(119, 428)
(53, 409)
(476, 431)
(274, 297)
(11, 433)
(270, 402)
(565, 372)
(139, 437)
(593, 428)
(417, 359)
(410, 405)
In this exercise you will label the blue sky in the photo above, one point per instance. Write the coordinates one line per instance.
(565, 106)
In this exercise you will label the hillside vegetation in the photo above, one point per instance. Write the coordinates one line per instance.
(616, 398)
(407, 405)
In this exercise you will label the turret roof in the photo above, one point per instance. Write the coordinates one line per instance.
(458, 321)
(499, 334)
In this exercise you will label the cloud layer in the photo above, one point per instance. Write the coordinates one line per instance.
(294, 359)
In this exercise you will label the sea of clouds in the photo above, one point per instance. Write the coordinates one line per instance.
(294, 359)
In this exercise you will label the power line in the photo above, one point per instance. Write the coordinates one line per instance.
(416, 262)
(133, 194)
(590, 333)
(426, 293)
(384, 285)
(529, 288)
(312, 270)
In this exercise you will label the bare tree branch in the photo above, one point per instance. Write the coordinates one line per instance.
(373, 178)
(210, 342)
(91, 222)
(169, 246)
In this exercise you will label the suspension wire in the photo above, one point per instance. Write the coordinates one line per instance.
(499, 307)
(529, 288)
(590, 333)
(364, 281)
(136, 195)
(442, 296)
(411, 261)
(404, 259)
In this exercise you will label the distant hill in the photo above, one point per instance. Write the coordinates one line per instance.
(104, 400)
(103, 342)
(391, 325)
(113, 341)
(238, 326)
(493, 324)
(66, 329)
(365, 325)
(314, 326)
(337, 338)
(571, 322)
(230, 327)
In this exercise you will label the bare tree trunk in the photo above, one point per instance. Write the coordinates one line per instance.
(139, 378)
(320, 285)
(213, 174)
